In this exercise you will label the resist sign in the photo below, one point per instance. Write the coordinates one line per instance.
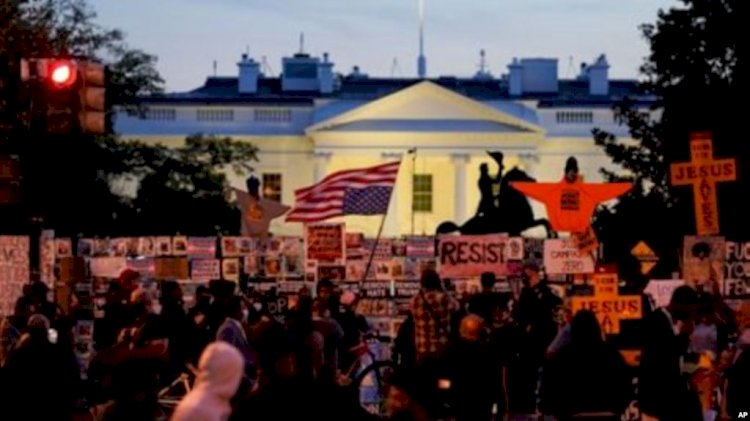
(471, 255)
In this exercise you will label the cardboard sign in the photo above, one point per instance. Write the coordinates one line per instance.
(703, 262)
(163, 246)
(515, 250)
(172, 268)
(586, 241)
(107, 267)
(202, 247)
(420, 247)
(335, 273)
(661, 291)
(180, 246)
(230, 269)
(737, 271)
(14, 271)
(610, 310)
(471, 255)
(702, 173)
(205, 269)
(72, 269)
(562, 257)
(325, 242)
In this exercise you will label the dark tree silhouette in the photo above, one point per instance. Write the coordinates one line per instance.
(102, 185)
(695, 71)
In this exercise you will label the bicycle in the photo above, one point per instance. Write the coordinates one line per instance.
(369, 373)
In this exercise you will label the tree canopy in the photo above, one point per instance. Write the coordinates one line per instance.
(103, 185)
(694, 71)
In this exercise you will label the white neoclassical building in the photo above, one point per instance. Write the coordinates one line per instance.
(310, 121)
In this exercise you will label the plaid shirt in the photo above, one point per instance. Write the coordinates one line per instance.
(432, 312)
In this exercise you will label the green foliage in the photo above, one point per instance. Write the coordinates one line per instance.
(90, 185)
(694, 71)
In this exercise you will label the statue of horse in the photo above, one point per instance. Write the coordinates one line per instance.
(513, 215)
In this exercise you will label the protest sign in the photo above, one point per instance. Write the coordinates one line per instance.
(471, 255)
(737, 271)
(515, 250)
(201, 247)
(145, 266)
(72, 269)
(645, 256)
(336, 273)
(230, 269)
(230, 246)
(610, 310)
(703, 261)
(291, 254)
(172, 268)
(355, 245)
(14, 271)
(661, 291)
(163, 246)
(420, 247)
(205, 269)
(325, 242)
(179, 246)
(107, 267)
(47, 258)
(562, 257)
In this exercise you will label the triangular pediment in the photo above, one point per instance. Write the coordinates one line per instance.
(423, 107)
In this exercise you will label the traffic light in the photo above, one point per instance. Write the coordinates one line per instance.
(73, 92)
(91, 114)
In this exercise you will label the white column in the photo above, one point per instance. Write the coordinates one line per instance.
(391, 228)
(459, 187)
(321, 164)
(529, 160)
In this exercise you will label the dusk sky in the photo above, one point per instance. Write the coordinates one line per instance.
(188, 35)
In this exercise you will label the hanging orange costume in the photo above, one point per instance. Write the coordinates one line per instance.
(570, 205)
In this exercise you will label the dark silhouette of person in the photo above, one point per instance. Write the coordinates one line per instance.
(588, 379)
(571, 170)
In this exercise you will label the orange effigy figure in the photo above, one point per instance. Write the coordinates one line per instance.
(571, 202)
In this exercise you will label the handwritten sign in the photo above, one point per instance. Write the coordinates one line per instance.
(172, 268)
(14, 270)
(562, 257)
(205, 269)
(702, 173)
(661, 291)
(703, 261)
(737, 270)
(325, 242)
(471, 255)
(610, 310)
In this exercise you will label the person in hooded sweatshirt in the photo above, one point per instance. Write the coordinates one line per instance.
(219, 374)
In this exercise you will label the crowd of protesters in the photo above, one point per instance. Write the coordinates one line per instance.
(494, 356)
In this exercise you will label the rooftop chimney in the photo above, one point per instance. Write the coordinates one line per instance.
(249, 72)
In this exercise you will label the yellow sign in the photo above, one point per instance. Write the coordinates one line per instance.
(608, 306)
(703, 172)
(646, 256)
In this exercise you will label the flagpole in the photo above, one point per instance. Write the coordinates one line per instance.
(377, 238)
(374, 247)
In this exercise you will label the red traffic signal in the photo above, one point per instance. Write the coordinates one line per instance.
(62, 73)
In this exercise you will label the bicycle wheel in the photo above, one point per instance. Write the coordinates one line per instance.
(371, 383)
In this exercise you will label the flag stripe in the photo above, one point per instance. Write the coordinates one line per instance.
(364, 191)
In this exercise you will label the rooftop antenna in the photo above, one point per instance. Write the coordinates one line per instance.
(215, 64)
(395, 69)
(571, 67)
(421, 60)
(302, 43)
(265, 67)
(482, 61)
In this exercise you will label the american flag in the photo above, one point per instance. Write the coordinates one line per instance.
(364, 191)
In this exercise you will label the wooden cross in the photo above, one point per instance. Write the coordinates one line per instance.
(608, 305)
(703, 172)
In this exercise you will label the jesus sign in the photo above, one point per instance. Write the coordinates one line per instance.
(703, 172)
